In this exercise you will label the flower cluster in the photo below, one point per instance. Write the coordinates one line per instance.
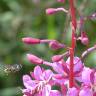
(71, 77)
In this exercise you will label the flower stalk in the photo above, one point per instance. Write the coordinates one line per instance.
(73, 41)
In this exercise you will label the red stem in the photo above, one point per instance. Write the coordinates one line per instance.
(71, 74)
(74, 25)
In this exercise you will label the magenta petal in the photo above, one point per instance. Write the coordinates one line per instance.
(86, 75)
(94, 94)
(38, 94)
(46, 90)
(86, 92)
(47, 75)
(26, 78)
(92, 77)
(78, 65)
(95, 78)
(60, 81)
(37, 72)
(72, 92)
(64, 89)
(26, 92)
(57, 67)
(55, 93)
(32, 74)
(78, 78)
(28, 83)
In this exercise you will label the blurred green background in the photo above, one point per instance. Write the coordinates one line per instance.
(22, 18)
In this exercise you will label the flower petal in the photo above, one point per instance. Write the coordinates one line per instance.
(37, 72)
(57, 67)
(72, 92)
(86, 75)
(26, 78)
(26, 92)
(47, 75)
(46, 90)
(28, 82)
(86, 91)
(55, 93)
(78, 65)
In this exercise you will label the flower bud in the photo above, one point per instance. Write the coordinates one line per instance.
(85, 41)
(60, 0)
(29, 40)
(56, 45)
(57, 58)
(50, 11)
(34, 59)
(84, 38)
(93, 16)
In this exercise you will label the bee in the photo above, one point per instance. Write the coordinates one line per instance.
(12, 68)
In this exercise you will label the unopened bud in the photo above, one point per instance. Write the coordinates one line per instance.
(56, 45)
(29, 40)
(50, 11)
(84, 38)
(61, 0)
(93, 16)
(85, 41)
(34, 59)
(57, 58)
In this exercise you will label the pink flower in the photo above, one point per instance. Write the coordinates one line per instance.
(86, 91)
(72, 92)
(41, 84)
(78, 65)
(89, 78)
(86, 75)
(62, 70)
(55, 93)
